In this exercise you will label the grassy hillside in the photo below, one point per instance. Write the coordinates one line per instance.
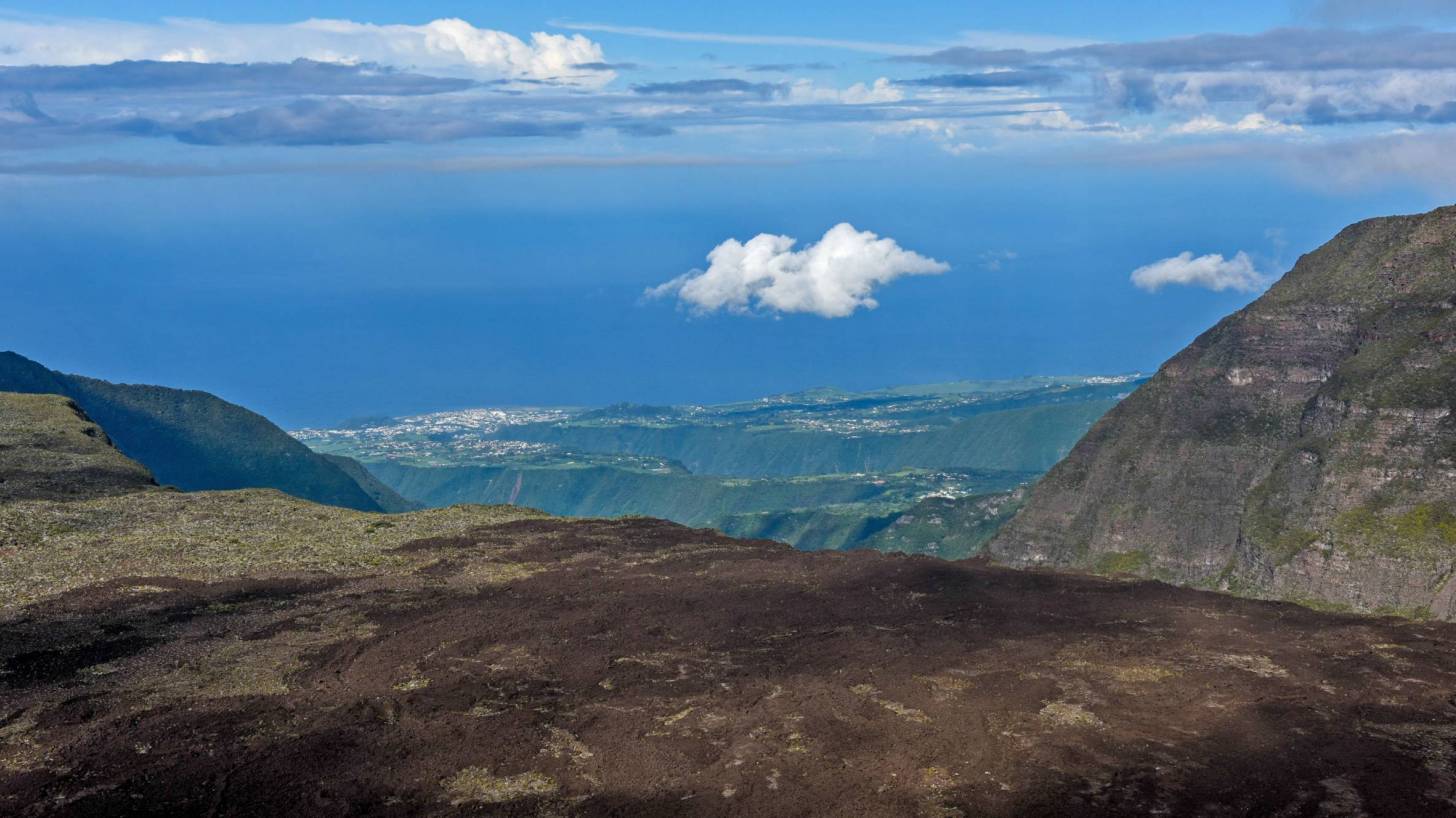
(49, 449)
(194, 440)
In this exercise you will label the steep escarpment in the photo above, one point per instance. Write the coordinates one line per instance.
(194, 440)
(1302, 448)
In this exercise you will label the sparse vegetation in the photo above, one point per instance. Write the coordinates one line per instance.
(1424, 532)
(1122, 562)
(478, 785)
(51, 546)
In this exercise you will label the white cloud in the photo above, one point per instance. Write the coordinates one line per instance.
(831, 278)
(1213, 272)
(1251, 123)
(447, 45)
(947, 135)
(881, 90)
(1059, 120)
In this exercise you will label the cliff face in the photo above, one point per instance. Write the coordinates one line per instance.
(1302, 448)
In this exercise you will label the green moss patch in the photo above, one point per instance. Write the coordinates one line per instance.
(1424, 532)
(1121, 562)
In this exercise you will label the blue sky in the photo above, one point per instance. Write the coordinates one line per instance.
(427, 215)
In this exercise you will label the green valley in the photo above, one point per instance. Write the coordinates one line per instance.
(933, 468)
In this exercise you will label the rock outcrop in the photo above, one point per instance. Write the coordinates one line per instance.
(1303, 448)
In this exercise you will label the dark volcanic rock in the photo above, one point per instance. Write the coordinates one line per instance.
(639, 668)
(1302, 448)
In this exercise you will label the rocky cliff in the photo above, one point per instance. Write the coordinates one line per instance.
(1303, 448)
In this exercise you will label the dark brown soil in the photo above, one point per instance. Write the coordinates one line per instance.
(638, 668)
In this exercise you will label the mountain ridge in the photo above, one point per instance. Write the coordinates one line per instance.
(192, 439)
(1301, 448)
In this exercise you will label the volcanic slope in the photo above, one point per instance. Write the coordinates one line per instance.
(1303, 448)
(194, 440)
(244, 653)
(49, 449)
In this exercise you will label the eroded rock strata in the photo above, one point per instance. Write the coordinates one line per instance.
(1301, 449)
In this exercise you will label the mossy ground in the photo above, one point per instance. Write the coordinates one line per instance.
(1121, 562)
(48, 547)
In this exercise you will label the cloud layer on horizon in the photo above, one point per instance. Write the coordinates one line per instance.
(451, 46)
(1297, 93)
(831, 278)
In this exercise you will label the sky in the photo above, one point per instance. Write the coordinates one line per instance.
(330, 209)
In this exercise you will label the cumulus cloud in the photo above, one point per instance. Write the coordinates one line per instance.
(1058, 120)
(1212, 272)
(831, 278)
(442, 46)
(1250, 123)
(881, 90)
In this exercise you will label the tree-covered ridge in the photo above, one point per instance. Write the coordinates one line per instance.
(194, 440)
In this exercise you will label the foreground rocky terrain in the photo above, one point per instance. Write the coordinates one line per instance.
(245, 653)
(1304, 448)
